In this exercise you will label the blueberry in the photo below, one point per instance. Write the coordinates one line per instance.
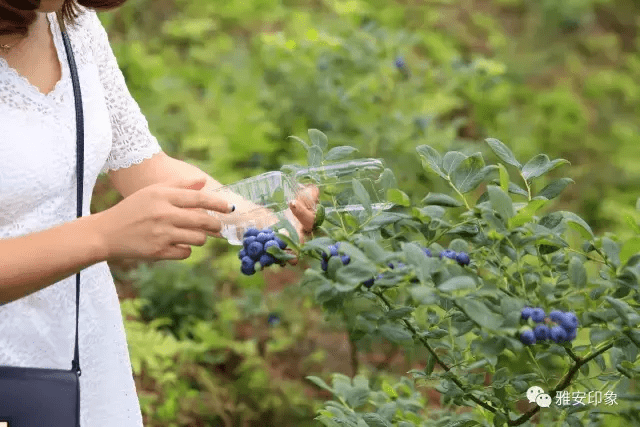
(537, 315)
(251, 232)
(324, 264)
(556, 315)
(368, 283)
(263, 237)
(571, 335)
(249, 240)
(273, 319)
(345, 259)
(247, 270)
(242, 253)
(269, 244)
(448, 253)
(528, 337)
(280, 242)
(266, 230)
(255, 250)
(463, 258)
(266, 260)
(569, 321)
(333, 250)
(542, 332)
(426, 251)
(390, 265)
(248, 266)
(558, 334)
(400, 62)
(526, 313)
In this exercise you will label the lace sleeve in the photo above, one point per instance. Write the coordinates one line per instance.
(132, 139)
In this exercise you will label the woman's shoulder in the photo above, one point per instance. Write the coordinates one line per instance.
(87, 19)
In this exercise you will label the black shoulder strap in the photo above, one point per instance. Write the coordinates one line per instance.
(75, 363)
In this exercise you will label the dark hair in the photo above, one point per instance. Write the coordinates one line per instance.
(16, 16)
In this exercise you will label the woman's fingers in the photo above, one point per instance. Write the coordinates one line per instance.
(305, 215)
(187, 198)
(198, 219)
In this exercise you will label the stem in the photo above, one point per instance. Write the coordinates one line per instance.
(526, 183)
(459, 194)
(423, 340)
(566, 380)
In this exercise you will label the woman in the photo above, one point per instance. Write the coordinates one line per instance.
(42, 243)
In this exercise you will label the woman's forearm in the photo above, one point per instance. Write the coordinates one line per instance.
(35, 261)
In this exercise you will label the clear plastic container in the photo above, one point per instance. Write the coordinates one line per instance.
(335, 182)
(263, 200)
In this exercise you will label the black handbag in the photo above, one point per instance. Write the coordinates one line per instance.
(35, 397)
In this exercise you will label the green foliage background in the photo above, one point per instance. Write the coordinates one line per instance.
(224, 83)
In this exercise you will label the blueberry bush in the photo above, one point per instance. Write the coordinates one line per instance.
(504, 260)
(224, 83)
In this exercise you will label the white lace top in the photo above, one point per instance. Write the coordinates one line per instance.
(38, 191)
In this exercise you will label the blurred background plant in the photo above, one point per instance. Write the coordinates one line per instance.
(224, 84)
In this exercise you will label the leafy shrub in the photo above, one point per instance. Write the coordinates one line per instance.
(469, 317)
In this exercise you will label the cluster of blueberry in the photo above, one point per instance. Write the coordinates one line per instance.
(559, 327)
(255, 245)
(461, 258)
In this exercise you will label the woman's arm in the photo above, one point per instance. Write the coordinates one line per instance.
(35, 261)
(162, 168)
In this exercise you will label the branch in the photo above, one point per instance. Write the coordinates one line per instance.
(564, 382)
(444, 366)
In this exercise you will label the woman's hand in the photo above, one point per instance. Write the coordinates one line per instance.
(160, 221)
(304, 214)
(304, 210)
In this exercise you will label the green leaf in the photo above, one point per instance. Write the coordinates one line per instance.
(319, 382)
(355, 273)
(540, 165)
(504, 178)
(399, 313)
(357, 396)
(300, 141)
(451, 160)
(318, 139)
(466, 176)
(516, 189)
(387, 180)
(395, 333)
(338, 153)
(374, 420)
(314, 156)
(503, 152)
(398, 197)
(629, 248)
(361, 194)
(554, 189)
(439, 199)
(526, 214)
(432, 159)
(431, 363)
(500, 202)
(457, 283)
(577, 272)
(632, 224)
(577, 223)
(621, 307)
(638, 204)
(479, 313)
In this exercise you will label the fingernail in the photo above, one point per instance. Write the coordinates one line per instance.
(233, 208)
